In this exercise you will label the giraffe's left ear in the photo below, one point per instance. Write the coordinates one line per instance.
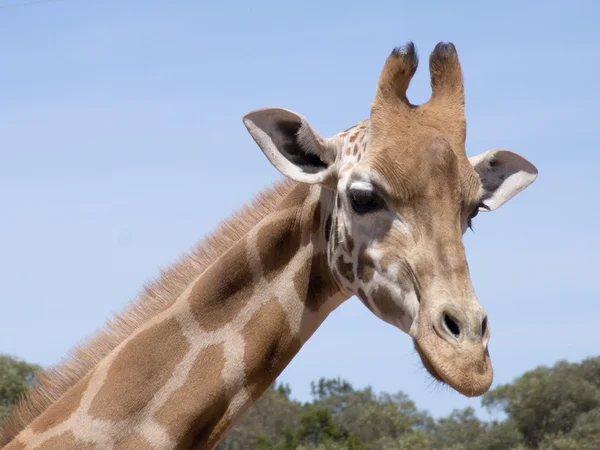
(292, 146)
(503, 175)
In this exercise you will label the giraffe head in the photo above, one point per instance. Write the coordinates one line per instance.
(403, 194)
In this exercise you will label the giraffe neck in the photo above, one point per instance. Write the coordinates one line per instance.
(187, 375)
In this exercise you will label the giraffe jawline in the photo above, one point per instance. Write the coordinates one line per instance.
(427, 364)
(470, 380)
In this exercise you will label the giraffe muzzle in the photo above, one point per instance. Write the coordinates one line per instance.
(453, 347)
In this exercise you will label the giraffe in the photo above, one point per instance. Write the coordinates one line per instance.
(377, 211)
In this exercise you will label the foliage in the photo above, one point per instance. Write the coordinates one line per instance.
(555, 408)
(547, 402)
(15, 376)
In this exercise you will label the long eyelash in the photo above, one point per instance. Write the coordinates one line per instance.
(470, 225)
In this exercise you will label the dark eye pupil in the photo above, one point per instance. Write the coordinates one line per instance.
(364, 201)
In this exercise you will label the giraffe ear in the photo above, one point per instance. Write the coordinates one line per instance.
(291, 145)
(503, 175)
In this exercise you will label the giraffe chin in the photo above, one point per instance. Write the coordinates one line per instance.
(466, 368)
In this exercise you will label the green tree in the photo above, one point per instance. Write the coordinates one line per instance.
(500, 436)
(589, 370)
(586, 431)
(267, 424)
(368, 416)
(330, 388)
(317, 426)
(546, 402)
(460, 430)
(15, 377)
(554, 408)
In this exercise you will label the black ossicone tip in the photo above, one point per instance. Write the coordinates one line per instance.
(446, 75)
(408, 54)
(444, 50)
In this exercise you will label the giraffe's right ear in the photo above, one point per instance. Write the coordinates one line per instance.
(292, 146)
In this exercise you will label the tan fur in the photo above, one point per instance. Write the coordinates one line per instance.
(139, 370)
(189, 357)
(281, 235)
(52, 383)
(415, 159)
(226, 290)
(61, 412)
(209, 405)
(180, 382)
(270, 345)
(66, 440)
(320, 282)
(133, 442)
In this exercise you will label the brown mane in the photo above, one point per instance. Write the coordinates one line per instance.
(49, 385)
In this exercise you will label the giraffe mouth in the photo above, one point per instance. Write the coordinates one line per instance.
(427, 363)
(469, 374)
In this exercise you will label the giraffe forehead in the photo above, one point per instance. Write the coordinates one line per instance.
(408, 126)
(410, 149)
(432, 169)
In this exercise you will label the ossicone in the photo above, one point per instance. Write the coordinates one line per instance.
(397, 72)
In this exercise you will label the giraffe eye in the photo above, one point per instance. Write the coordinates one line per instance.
(365, 201)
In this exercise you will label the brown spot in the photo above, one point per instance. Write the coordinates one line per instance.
(140, 369)
(223, 290)
(218, 431)
(321, 283)
(335, 234)
(347, 130)
(316, 224)
(355, 150)
(133, 442)
(278, 242)
(270, 346)
(365, 299)
(345, 269)
(65, 441)
(347, 151)
(337, 278)
(328, 228)
(296, 197)
(349, 242)
(362, 294)
(62, 409)
(365, 267)
(382, 298)
(196, 408)
(313, 282)
(353, 137)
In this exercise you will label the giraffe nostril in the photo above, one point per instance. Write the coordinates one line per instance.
(484, 326)
(451, 325)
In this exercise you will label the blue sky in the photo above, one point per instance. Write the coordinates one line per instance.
(121, 144)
